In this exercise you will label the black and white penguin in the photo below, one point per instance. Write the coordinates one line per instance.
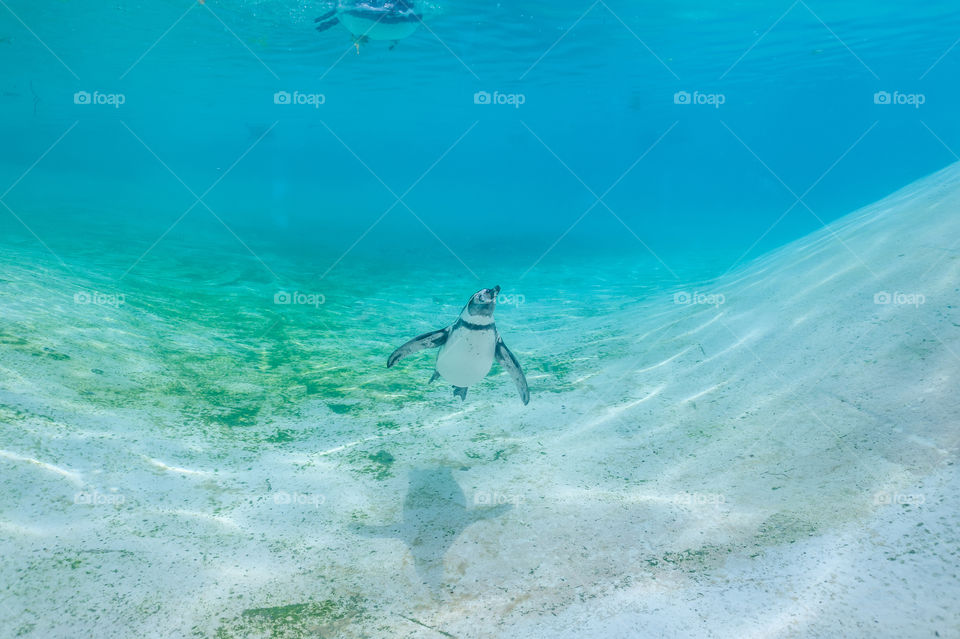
(468, 347)
(373, 19)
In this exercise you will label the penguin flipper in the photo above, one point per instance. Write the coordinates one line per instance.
(461, 392)
(326, 25)
(509, 362)
(434, 377)
(326, 16)
(417, 344)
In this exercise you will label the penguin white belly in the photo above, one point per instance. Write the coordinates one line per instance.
(467, 356)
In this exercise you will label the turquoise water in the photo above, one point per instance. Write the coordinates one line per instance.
(186, 454)
(598, 95)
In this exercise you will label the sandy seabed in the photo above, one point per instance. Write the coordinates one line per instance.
(769, 454)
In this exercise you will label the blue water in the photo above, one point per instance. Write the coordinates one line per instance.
(631, 150)
(598, 85)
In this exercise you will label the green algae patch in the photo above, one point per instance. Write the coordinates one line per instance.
(784, 528)
(378, 465)
(692, 559)
(558, 374)
(52, 354)
(10, 413)
(777, 530)
(314, 619)
(382, 457)
(281, 436)
(18, 343)
(236, 416)
(341, 409)
(8, 339)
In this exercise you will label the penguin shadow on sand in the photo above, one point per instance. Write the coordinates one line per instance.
(435, 513)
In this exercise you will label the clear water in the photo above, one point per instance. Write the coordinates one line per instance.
(145, 359)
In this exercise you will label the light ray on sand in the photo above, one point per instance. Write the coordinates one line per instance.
(666, 361)
(613, 412)
(175, 469)
(11, 528)
(67, 474)
(703, 392)
(740, 342)
(582, 378)
(701, 327)
(457, 415)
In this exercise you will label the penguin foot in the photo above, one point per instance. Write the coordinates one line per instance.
(459, 391)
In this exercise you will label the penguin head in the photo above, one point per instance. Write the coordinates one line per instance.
(482, 303)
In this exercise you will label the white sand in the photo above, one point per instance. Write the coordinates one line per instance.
(779, 465)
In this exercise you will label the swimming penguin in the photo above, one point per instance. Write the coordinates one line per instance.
(373, 19)
(468, 347)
